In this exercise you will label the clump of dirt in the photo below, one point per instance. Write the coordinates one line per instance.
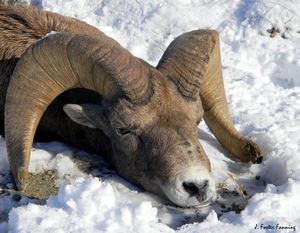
(273, 31)
(232, 198)
(41, 185)
(276, 31)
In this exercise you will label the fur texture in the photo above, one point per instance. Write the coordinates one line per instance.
(143, 119)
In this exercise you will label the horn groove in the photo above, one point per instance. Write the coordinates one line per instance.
(186, 59)
(55, 64)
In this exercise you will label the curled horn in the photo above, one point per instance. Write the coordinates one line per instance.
(186, 59)
(193, 62)
(55, 64)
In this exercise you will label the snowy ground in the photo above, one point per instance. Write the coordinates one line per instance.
(260, 43)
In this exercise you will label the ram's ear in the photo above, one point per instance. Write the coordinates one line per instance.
(90, 115)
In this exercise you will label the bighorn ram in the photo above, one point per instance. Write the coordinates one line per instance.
(143, 119)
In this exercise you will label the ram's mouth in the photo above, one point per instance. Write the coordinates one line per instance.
(207, 202)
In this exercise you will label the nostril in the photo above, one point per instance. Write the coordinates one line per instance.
(191, 188)
(195, 189)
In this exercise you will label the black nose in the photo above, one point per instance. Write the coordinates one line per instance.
(196, 189)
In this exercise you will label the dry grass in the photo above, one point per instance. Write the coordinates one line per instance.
(238, 188)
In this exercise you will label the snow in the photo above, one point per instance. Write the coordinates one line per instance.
(62, 163)
(260, 45)
(73, 211)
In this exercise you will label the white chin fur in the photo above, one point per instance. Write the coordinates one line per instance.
(176, 193)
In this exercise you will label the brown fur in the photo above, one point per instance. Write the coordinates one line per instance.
(162, 123)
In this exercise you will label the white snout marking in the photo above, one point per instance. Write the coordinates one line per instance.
(177, 193)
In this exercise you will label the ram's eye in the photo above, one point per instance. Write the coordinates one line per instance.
(122, 131)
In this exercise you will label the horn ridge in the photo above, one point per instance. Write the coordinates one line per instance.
(58, 63)
(186, 59)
